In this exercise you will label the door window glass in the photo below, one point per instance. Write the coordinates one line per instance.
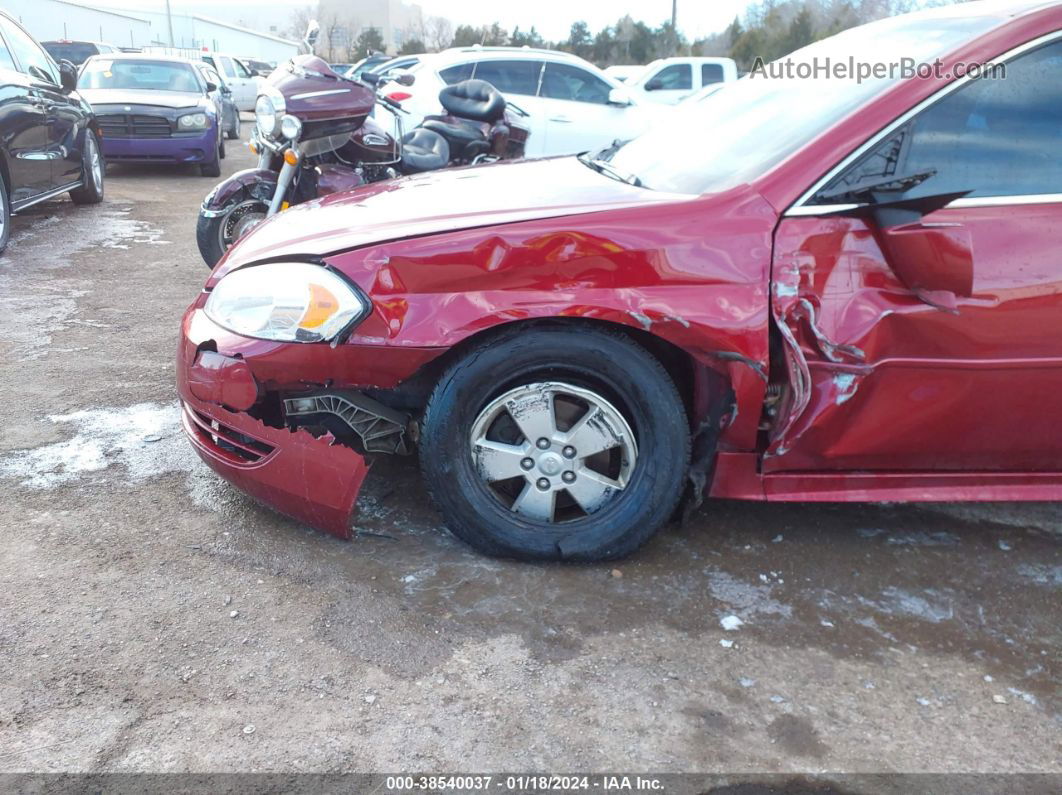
(511, 77)
(563, 81)
(226, 67)
(241, 70)
(711, 73)
(455, 74)
(994, 136)
(677, 77)
(32, 60)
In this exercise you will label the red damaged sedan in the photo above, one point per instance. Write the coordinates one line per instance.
(815, 285)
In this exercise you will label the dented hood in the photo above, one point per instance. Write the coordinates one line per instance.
(439, 201)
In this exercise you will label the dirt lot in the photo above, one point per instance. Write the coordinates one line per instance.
(155, 619)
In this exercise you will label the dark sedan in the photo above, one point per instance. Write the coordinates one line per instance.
(49, 141)
(154, 109)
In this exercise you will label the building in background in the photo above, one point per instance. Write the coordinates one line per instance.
(343, 21)
(48, 20)
(63, 19)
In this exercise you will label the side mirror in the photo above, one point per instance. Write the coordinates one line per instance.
(619, 96)
(934, 261)
(67, 75)
(313, 31)
(226, 90)
(656, 84)
(212, 87)
(405, 79)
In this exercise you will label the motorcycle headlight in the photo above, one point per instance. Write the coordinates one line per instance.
(268, 112)
(193, 121)
(286, 302)
(290, 127)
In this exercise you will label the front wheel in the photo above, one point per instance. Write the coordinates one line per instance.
(555, 443)
(212, 167)
(234, 128)
(215, 235)
(92, 170)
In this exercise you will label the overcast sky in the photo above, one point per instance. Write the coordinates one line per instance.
(552, 18)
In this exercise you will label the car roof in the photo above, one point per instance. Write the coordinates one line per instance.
(476, 51)
(140, 56)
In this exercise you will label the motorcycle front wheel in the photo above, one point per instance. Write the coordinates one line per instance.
(216, 234)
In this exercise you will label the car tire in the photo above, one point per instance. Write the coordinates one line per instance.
(212, 168)
(556, 366)
(93, 169)
(234, 128)
(210, 232)
(5, 216)
(221, 148)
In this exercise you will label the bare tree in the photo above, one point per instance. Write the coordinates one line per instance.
(438, 33)
(299, 19)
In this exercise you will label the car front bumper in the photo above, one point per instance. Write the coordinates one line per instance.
(178, 149)
(314, 479)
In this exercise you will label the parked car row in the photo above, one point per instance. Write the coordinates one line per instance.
(848, 294)
(49, 137)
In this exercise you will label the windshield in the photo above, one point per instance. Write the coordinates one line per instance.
(738, 134)
(135, 74)
(77, 52)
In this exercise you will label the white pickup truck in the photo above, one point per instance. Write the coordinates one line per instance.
(669, 80)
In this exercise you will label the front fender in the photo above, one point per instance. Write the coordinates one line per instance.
(261, 183)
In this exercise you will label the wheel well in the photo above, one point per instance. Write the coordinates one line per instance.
(412, 394)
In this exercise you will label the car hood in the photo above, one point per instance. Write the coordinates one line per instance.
(438, 201)
(139, 96)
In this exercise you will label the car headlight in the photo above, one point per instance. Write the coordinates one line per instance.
(290, 127)
(193, 121)
(286, 302)
(268, 112)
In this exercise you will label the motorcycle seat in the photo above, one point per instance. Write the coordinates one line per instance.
(424, 150)
(459, 134)
(473, 99)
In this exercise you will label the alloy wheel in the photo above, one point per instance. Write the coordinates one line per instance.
(95, 162)
(553, 452)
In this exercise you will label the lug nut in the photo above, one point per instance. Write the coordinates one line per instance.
(569, 452)
(543, 483)
(568, 477)
(527, 463)
(543, 443)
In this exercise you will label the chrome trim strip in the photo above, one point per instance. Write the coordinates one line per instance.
(904, 118)
(309, 94)
(20, 206)
(997, 201)
(820, 209)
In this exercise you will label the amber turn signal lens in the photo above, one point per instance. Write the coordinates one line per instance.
(291, 158)
(253, 147)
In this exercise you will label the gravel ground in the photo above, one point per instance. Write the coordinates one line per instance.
(154, 619)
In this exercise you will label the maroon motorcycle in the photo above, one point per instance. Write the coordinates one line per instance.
(314, 136)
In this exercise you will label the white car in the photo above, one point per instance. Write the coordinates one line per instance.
(624, 73)
(670, 80)
(238, 76)
(572, 105)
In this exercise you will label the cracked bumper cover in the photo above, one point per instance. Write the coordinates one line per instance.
(311, 479)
